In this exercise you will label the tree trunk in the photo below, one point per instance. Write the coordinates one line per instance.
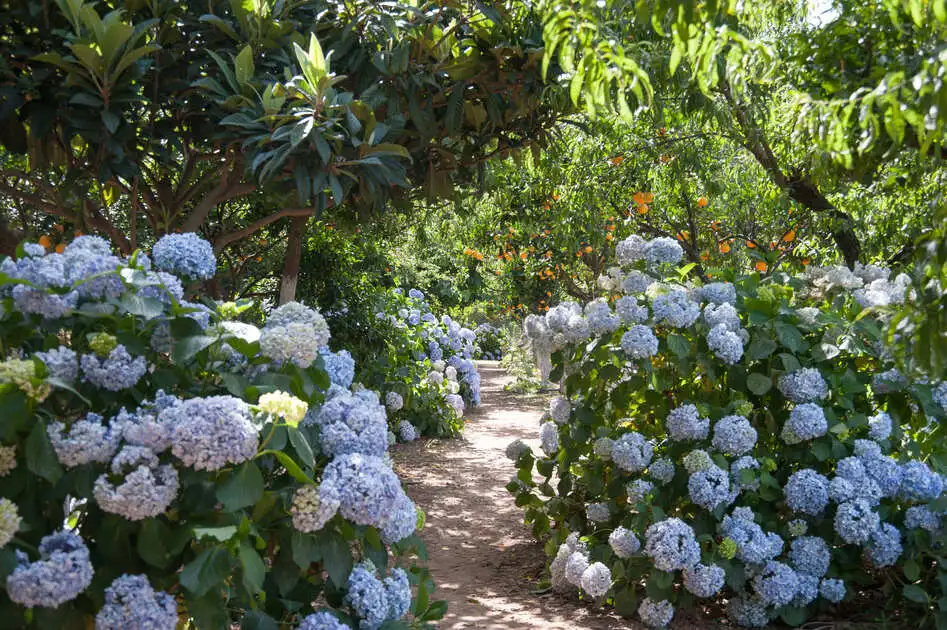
(297, 230)
(8, 238)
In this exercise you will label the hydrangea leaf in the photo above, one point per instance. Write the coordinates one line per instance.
(210, 568)
(244, 488)
(40, 456)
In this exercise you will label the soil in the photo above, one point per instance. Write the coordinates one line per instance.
(481, 556)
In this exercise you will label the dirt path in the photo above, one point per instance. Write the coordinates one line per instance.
(482, 557)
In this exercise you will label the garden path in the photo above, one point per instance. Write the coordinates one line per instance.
(482, 557)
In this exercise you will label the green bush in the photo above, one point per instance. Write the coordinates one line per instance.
(747, 441)
(162, 463)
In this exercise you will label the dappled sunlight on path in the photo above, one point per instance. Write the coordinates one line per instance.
(482, 557)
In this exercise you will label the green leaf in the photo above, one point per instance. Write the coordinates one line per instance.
(151, 546)
(912, 571)
(793, 615)
(915, 593)
(760, 348)
(789, 336)
(243, 65)
(759, 384)
(301, 444)
(244, 488)
(679, 345)
(209, 569)
(221, 534)
(254, 571)
(186, 349)
(145, 307)
(338, 559)
(41, 459)
(291, 466)
(257, 620)
(307, 549)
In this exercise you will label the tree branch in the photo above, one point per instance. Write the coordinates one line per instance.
(221, 242)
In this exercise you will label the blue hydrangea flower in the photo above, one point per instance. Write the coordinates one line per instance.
(704, 580)
(10, 521)
(145, 491)
(415, 294)
(726, 344)
(351, 423)
(600, 318)
(131, 604)
(709, 488)
(754, 546)
(739, 479)
(62, 572)
(632, 452)
(162, 286)
(394, 402)
(939, 394)
(675, 309)
(366, 594)
(855, 521)
(407, 432)
(402, 522)
(807, 589)
(624, 542)
(884, 547)
(576, 565)
(921, 517)
(116, 372)
(655, 614)
(749, 612)
(629, 311)
(638, 490)
(630, 250)
(87, 440)
(919, 482)
(776, 584)
(685, 423)
(597, 512)
(722, 315)
(549, 438)
(663, 250)
(879, 426)
(559, 410)
(832, 589)
(210, 433)
(186, 255)
(596, 579)
(734, 435)
(61, 363)
(322, 620)
(398, 593)
(146, 426)
(698, 459)
(661, 470)
(671, 545)
(368, 490)
(807, 491)
(885, 472)
(602, 448)
(636, 282)
(867, 448)
(805, 385)
(719, 293)
(811, 555)
(639, 342)
(313, 507)
(888, 382)
(806, 422)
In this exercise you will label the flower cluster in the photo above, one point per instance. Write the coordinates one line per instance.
(58, 576)
(131, 604)
(186, 255)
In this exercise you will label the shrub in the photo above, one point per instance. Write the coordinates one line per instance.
(428, 364)
(747, 441)
(160, 463)
(490, 342)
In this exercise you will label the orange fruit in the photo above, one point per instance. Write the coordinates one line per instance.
(683, 236)
(715, 225)
(750, 245)
(60, 248)
(615, 161)
(704, 256)
(805, 261)
(724, 248)
(761, 266)
(44, 241)
(702, 202)
(790, 236)
(643, 208)
(588, 249)
(524, 255)
(555, 196)
(609, 237)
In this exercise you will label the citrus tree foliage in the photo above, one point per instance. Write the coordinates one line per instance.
(135, 119)
(746, 440)
(548, 226)
(163, 463)
(768, 79)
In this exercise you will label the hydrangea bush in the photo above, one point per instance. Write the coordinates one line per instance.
(744, 442)
(490, 342)
(427, 370)
(161, 464)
